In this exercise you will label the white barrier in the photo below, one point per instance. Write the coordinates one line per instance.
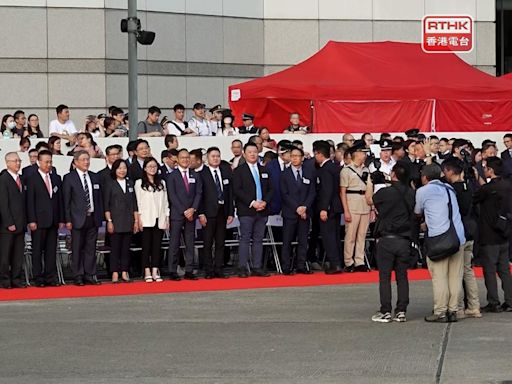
(62, 163)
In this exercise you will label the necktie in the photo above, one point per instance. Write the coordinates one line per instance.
(87, 193)
(220, 195)
(185, 180)
(18, 182)
(257, 181)
(298, 176)
(48, 186)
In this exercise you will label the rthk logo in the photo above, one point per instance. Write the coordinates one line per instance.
(447, 34)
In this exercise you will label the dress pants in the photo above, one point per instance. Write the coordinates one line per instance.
(12, 247)
(495, 260)
(393, 254)
(330, 231)
(83, 246)
(120, 252)
(214, 232)
(314, 242)
(295, 229)
(355, 238)
(447, 281)
(44, 247)
(251, 228)
(152, 246)
(187, 228)
(469, 281)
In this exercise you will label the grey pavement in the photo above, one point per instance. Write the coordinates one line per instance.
(287, 335)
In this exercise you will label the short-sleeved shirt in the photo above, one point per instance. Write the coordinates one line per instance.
(201, 127)
(145, 127)
(350, 179)
(432, 202)
(57, 127)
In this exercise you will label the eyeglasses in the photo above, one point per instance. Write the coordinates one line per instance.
(14, 161)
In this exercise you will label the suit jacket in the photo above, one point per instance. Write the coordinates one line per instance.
(209, 203)
(120, 204)
(505, 155)
(328, 189)
(507, 163)
(104, 175)
(244, 189)
(163, 170)
(46, 212)
(297, 194)
(75, 206)
(254, 130)
(135, 170)
(32, 169)
(180, 200)
(275, 173)
(147, 201)
(12, 204)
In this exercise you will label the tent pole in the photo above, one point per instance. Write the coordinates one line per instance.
(311, 115)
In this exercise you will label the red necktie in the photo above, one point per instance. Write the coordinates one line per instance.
(185, 180)
(47, 182)
(18, 182)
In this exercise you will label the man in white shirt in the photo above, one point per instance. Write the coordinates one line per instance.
(63, 127)
(178, 126)
(198, 122)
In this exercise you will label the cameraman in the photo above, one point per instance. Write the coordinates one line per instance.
(453, 170)
(394, 231)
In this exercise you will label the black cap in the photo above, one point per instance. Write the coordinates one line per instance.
(358, 146)
(413, 132)
(199, 106)
(247, 116)
(385, 145)
(218, 107)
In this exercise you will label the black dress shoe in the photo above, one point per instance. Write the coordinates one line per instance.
(92, 282)
(190, 276)
(260, 272)
(288, 273)
(39, 284)
(175, 277)
(221, 275)
(209, 276)
(361, 268)
(243, 273)
(506, 307)
(304, 272)
(349, 269)
(53, 284)
(79, 282)
(451, 317)
(19, 285)
(333, 271)
(492, 308)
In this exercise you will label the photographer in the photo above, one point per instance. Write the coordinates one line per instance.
(394, 231)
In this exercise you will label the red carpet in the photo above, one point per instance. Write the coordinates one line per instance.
(142, 288)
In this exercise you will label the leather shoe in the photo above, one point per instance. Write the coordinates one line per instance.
(39, 284)
(19, 285)
(221, 275)
(92, 282)
(175, 277)
(79, 282)
(349, 269)
(209, 276)
(304, 272)
(288, 273)
(260, 272)
(361, 268)
(243, 273)
(506, 307)
(490, 308)
(190, 276)
(451, 317)
(333, 271)
(53, 284)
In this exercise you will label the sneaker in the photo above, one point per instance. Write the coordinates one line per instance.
(441, 318)
(382, 317)
(474, 313)
(400, 317)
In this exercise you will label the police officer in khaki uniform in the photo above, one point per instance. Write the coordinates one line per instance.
(356, 191)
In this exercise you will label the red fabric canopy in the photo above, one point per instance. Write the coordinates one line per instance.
(377, 87)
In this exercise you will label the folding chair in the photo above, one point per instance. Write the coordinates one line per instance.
(27, 262)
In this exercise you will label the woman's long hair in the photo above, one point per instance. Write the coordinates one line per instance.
(51, 143)
(146, 184)
(29, 128)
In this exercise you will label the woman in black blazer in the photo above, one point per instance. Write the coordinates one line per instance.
(122, 217)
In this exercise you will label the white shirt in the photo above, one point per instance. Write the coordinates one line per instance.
(14, 175)
(43, 175)
(57, 127)
(201, 127)
(172, 130)
(182, 171)
(89, 184)
(200, 168)
(122, 183)
(282, 164)
(384, 167)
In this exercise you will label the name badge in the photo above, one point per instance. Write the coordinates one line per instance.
(264, 175)
(55, 189)
(24, 187)
(191, 181)
(306, 181)
(96, 186)
(318, 180)
(130, 189)
(225, 181)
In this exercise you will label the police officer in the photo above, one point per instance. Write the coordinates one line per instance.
(394, 230)
(356, 188)
(384, 165)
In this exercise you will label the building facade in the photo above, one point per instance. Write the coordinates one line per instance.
(73, 52)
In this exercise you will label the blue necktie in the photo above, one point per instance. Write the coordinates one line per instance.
(256, 177)
(220, 195)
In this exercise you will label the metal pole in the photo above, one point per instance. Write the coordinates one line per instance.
(132, 68)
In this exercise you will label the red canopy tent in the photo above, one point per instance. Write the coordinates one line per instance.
(378, 87)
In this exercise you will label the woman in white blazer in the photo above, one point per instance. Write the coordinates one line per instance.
(153, 217)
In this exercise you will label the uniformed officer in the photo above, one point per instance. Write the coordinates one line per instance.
(356, 190)
(216, 120)
(198, 123)
(248, 126)
(384, 164)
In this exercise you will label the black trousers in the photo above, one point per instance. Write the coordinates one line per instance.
(12, 248)
(187, 228)
(83, 246)
(152, 246)
(495, 260)
(120, 252)
(393, 255)
(295, 229)
(214, 233)
(44, 248)
(314, 243)
(330, 231)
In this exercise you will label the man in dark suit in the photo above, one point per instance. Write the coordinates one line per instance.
(142, 151)
(83, 212)
(168, 161)
(184, 190)
(328, 204)
(12, 223)
(506, 155)
(216, 210)
(112, 152)
(45, 212)
(298, 196)
(252, 191)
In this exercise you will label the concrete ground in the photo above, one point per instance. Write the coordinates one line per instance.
(289, 335)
